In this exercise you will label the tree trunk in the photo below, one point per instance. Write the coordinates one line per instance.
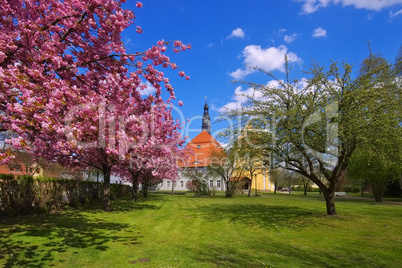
(377, 192)
(145, 188)
(329, 200)
(249, 188)
(378, 198)
(135, 190)
(255, 187)
(275, 186)
(97, 185)
(378, 187)
(305, 188)
(106, 188)
(172, 188)
(228, 192)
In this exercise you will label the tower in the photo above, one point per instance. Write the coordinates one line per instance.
(206, 121)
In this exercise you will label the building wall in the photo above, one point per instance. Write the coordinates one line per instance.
(216, 184)
(93, 176)
(262, 182)
(5, 169)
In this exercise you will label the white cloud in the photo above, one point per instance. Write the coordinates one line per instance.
(393, 14)
(240, 97)
(148, 89)
(230, 106)
(225, 145)
(290, 38)
(319, 32)
(310, 6)
(128, 42)
(238, 33)
(269, 59)
(241, 73)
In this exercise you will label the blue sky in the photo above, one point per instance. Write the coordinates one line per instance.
(227, 35)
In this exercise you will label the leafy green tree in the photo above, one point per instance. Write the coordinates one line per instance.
(227, 166)
(374, 167)
(316, 124)
(198, 184)
(398, 62)
(377, 159)
(278, 177)
(249, 155)
(302, 180)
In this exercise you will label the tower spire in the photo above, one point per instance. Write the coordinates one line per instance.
(206, 121)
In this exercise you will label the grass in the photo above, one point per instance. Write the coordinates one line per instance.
(182, 231)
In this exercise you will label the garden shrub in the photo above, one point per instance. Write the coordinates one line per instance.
(25, 194)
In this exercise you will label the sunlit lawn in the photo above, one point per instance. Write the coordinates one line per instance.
(182, 231)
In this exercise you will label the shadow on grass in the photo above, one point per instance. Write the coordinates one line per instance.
(122, 205)
(47, 234)
(265, 216)
(280, 254)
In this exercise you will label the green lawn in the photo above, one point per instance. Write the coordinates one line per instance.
(182, 231)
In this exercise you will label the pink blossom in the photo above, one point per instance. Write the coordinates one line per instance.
(177, 43)
(180, 103)
(139, 30)
(93, 115)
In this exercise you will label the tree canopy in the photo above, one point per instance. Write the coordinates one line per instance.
(312, 126)
(71, 91)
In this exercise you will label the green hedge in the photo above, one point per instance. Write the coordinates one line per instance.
(25, 194)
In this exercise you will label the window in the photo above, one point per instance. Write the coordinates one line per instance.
(218, 183)
(211, 183)
(15, 168)
(168, 183)
(198, 146)
(181, 183)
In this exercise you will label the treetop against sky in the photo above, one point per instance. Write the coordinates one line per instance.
(227, 36)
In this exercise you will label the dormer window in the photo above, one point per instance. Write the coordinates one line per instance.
(15, 168)
(198, 146)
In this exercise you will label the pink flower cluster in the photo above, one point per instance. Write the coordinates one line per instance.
(68, 93)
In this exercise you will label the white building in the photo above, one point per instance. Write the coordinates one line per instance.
(203, 146)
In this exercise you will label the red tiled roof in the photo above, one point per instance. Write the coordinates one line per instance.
(202, 146)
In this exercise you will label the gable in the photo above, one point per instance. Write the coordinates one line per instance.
(202, 147)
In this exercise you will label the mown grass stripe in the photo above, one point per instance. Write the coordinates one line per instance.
(184, 231)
